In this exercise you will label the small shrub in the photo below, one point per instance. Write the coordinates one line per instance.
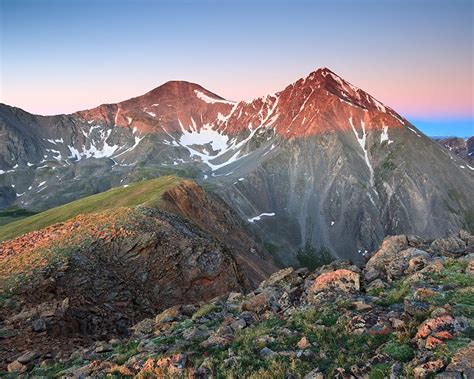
(273, 250)
(401, 352)
(395, 294)
(380, 371)
(204, 311)
(312, 258)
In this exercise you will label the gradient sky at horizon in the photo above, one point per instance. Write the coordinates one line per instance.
(413, 55)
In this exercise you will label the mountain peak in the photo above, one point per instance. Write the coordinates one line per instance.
(185, 90)
(345, 91)
(324, 71)
(322, 74)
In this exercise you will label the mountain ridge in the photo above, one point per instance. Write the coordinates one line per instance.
(321, 156)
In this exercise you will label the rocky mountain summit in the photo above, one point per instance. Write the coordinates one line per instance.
(408, 312)
(320, 162)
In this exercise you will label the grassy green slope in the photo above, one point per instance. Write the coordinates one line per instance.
(13, 214)
(141, 193)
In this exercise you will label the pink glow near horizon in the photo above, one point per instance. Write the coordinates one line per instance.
(428, 96)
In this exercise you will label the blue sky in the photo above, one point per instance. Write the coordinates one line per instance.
(416, 56)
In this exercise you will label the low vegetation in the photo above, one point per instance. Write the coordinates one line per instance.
(141, 193)
(312, 258)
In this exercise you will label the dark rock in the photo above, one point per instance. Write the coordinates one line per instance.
(451, 246)
(414, 308)
(267, 353)
(38, 325)
(28, 357)
(462, 363)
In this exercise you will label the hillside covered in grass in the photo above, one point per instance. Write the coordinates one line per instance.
(147, 193)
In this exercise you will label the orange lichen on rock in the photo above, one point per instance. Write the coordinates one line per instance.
(343, 280)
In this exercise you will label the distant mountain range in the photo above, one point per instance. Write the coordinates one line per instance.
(321, 162)
(462, 147)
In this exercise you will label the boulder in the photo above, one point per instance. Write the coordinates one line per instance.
(314, 374)
(27, 357)
(258, 303)
(285, 276)
(303, 343)
(462, 362)
(436, 331)
(438, 324)
(428, 368)
(144, 327)
(376, 284)
(16, 367)
(385, 254)
(450, 246)
(38, 325)
(103, 347)
(339, 280)
(234, 297)
(415, 308)
(168, 315)
(267, 353)
(409, 259)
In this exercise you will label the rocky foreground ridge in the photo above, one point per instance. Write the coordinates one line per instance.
(94, 275)
(407, 313)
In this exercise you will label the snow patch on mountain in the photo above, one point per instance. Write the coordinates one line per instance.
(55, 141)
(362, 142)
(97, 149)
(195, 141)
(384, 136)
(210, 100)
(414, 131)
(204, 136)
(259, 217)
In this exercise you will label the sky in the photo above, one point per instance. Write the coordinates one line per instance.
(60, 56)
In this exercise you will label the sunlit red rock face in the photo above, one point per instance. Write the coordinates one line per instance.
(169, 108)
(319, 103)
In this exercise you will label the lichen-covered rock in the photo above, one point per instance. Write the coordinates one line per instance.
(428, 368)
(462, 362)
(339, 280)
(450, 246)
(144, 327)
(296, 324)
(16, 367)
(257, 303)
(386, 253)
(168, 315)
(433, 325)
(281, 277)
(410, 259)
(435, 331)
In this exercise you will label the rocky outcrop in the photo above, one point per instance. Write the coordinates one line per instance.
(94, 276)
(214, 216)
(297, 323)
